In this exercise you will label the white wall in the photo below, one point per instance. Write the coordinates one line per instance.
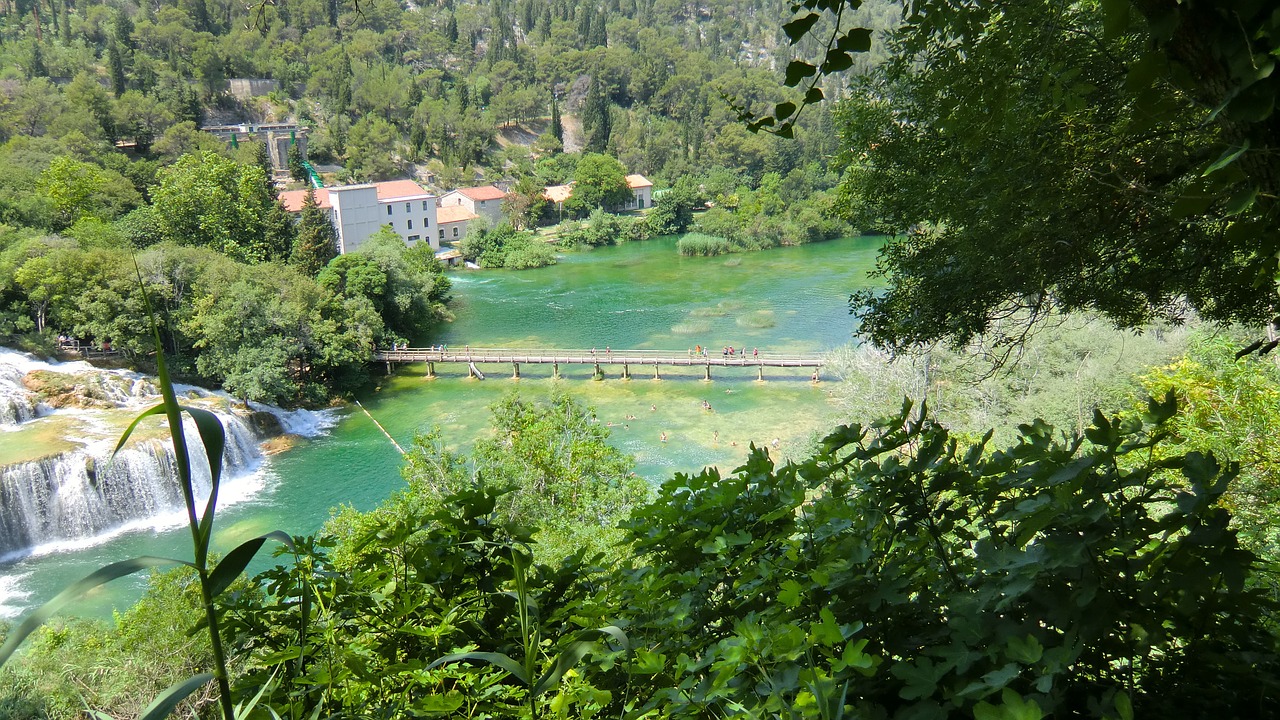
(420, 212)
(356, 215)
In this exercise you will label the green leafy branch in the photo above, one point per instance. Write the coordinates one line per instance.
(838, 51)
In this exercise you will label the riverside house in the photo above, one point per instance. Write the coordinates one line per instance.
(357, 211)
(484, 201)
(641, 195)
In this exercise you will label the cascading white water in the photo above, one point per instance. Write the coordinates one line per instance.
(83, 496)
(17, 405)
(85, 493)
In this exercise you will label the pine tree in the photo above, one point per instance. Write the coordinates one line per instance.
(297, 170)
(122, 28)
(279, 233)
(316, 242)
(451, 29)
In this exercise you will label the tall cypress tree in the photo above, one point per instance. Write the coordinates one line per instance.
(115, 66)
(37, 61)
(595, 118)
(316, 242)
(557, 126)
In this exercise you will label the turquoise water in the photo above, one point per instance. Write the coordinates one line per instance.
(638, 295)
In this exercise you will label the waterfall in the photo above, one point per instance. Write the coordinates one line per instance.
(17, 404)
(84, 495)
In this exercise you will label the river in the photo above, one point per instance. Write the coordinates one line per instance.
(636, 295)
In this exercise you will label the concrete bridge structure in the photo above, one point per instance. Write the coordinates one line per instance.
(596, 357)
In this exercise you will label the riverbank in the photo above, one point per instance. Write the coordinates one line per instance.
(639, 295)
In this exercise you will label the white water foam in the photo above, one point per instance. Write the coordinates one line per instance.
(12, 596)
(79, 499)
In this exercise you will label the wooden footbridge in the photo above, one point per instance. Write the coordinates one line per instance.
(622, 360)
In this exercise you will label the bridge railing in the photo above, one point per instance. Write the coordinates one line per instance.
(581, 355)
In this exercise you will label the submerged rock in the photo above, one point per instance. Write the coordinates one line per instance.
(264, 424)
(62, 390)
(281, 443)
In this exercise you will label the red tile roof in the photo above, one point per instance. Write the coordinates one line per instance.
(453, 213)
(395, 189)
(293, 199)
(636, 182)
(390, 190)
(484, 192)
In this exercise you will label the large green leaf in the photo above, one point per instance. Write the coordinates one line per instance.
(569, 657)
(235, 562)
(98, 577)
(166, 701)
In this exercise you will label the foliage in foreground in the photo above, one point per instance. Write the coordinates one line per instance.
(897, 573)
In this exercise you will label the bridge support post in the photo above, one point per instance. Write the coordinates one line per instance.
(626, 372)
(598, 375)
(555, 370)
(471, 370)
(516, 366)
(815, 375)
(431, 371)
(761, 375)
(707, 376)
(656, 376)
(388, 367)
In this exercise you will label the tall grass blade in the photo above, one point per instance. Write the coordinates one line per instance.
(166, 701)
(502, 661)
(98, 577)
(214, 439)
(156, 410)
(245, 709)
(238, 559)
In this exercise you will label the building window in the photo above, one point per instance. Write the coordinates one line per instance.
(455, 232)
(414, 238)
(441, 233)
(481, 203)
(388, 209)
(426, 222)
(424, 206)
(407, 206)
(410, 221)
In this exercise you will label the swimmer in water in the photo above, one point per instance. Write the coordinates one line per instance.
(653, 408)
(664, 436)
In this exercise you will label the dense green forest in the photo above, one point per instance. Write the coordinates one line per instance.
(102, 156)
(1111, 159)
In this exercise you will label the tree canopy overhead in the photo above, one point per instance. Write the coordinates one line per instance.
(1029, 157)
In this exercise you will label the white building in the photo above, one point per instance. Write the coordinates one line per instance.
(452, 222)
(484, 201)
(641, 193)
(640, 187)
(358, 211)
